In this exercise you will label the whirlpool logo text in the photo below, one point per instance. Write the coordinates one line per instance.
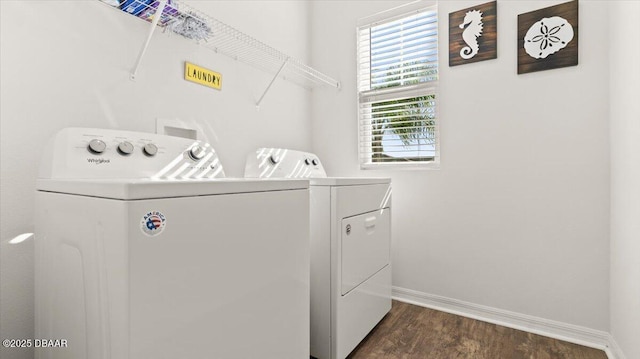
(98, 161)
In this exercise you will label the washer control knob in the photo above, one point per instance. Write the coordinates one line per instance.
(97, 146)
(315, 162)
(150, 149)
(125, 148)
(274, 159)
(307, 161)
(197, 152)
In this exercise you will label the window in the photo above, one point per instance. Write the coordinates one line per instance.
(397, 83)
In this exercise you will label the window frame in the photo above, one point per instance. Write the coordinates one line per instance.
(423, 89)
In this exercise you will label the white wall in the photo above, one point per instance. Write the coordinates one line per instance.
(67, 63)
(517, 218)
(625, 177)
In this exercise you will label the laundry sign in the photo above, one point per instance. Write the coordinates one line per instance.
(202, 76)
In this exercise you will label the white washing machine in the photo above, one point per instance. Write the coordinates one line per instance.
(144, 250)
(350, 248)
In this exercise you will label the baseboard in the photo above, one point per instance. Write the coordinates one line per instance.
(549, 328)
(614, 351)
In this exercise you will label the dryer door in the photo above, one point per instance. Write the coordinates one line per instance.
(366, 242)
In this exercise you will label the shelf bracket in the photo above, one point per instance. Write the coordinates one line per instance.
(154, 25)
(272, 81)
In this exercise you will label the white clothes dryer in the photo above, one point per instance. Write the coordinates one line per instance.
(350, 248)
(145, 250)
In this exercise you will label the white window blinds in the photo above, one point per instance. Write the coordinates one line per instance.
(397, 83)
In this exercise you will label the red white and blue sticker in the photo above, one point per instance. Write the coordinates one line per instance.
(153, 223)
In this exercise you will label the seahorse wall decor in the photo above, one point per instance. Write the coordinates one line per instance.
(473, 34)
(472, 25)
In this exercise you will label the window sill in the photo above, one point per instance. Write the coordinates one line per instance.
(433, 165)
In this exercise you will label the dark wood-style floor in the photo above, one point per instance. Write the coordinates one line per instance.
(413, 332)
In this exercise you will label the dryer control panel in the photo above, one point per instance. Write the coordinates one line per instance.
(283, 163)
(102, 154)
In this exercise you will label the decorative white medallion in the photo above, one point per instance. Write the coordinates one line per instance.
(547, 36)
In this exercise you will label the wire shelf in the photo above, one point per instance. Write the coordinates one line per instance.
(182, 19)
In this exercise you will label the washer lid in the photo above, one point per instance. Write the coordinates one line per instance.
(133, 189)
(347, 181)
